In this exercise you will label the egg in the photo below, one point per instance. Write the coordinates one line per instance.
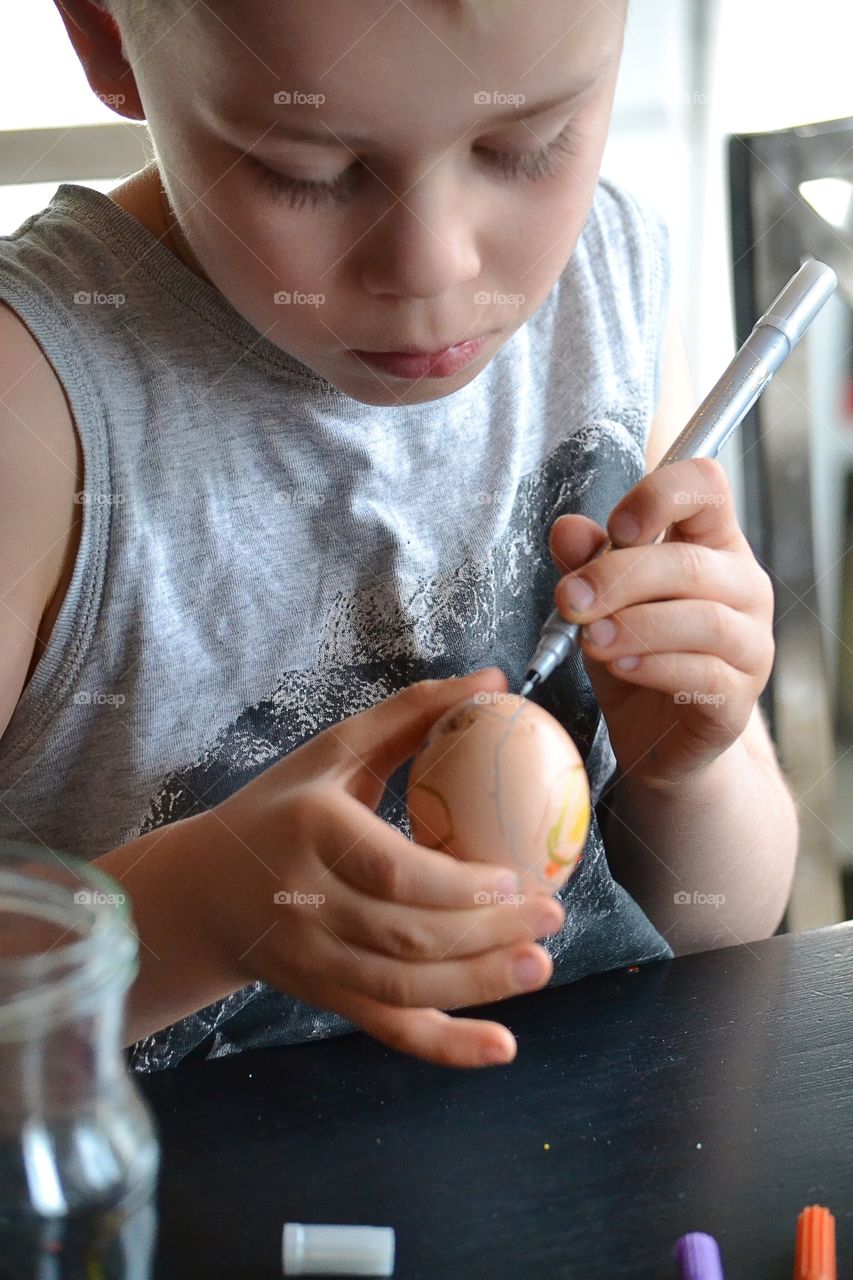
(498, 779)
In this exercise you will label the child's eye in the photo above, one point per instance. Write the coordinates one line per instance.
(532, 165)
(298, 190)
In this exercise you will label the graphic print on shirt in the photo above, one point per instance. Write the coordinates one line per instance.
(480, 613)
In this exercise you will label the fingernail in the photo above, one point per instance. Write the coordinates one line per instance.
(528, 972)
(495, 1054)
(624, 527)
(626, 664)
(509, 885)
(601, 632)
(579, 594)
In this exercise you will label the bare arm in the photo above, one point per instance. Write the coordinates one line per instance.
(738, 818)
(180, 969)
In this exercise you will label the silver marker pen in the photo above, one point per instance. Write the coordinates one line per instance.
(772, 340)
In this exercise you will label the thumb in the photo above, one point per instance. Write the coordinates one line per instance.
(372, 744)
(573, 541)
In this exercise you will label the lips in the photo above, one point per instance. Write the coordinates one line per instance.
(421, 351)
(414, 363)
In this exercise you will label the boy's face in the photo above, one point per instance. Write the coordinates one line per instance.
(423, 241)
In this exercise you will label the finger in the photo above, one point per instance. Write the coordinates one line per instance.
(411, 933)
(713, 690)
(377, 859)
(669, 570)
(692, 494)
(372, 744)
(479, 979)
(437, 1037)
(573, 540)
(676, 626)
(424, 1033)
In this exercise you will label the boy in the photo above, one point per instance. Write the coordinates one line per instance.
(324, 377)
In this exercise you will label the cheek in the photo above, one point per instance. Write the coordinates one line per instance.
(554, 216)
(552, 226)
(259, 246)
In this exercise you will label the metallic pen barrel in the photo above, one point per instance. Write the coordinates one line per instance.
(772, 340)
(766, 349)
(731, 399)
(555, 641)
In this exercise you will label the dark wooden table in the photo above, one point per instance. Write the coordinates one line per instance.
(713, 1092)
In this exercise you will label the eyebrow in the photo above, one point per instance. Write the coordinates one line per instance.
(297, 132)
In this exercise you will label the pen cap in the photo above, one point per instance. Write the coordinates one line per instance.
(815, 1253)
(323, 1250)
(698, 1257)
(802, 298)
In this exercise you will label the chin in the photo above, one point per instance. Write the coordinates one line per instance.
(382, 395)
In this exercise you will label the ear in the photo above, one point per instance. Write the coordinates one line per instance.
(97, 42)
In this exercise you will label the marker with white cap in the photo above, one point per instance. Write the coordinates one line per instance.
(309, 1249)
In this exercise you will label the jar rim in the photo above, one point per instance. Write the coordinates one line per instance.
(63, 979)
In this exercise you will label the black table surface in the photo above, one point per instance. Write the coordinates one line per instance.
(712, 1092)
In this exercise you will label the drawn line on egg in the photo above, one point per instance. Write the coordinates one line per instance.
(433, 791)
(463, 716)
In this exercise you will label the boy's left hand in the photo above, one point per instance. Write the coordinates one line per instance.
(695, 608)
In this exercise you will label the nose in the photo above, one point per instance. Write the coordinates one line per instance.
(423, 246)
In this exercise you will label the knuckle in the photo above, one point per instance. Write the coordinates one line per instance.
(770, 653)
(388, 985)
(406, 938)
(760, 657)
(642, 500)
(421, 692)
(693, 564)
(712, 470)
(386, 873)
(390, 1033)
(720, 674)
(482, 981)
(769, 600)
(716, 622)
(493, 976)
(307, 807)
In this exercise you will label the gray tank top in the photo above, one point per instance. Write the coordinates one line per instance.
(262, 556)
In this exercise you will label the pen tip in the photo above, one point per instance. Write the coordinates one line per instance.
(530, 683)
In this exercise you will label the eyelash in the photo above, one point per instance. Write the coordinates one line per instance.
(532, 165)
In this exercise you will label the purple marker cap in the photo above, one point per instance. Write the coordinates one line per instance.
(698, 1255)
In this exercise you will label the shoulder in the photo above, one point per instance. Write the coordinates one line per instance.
(629, 226)
(616, 296)
(41, 470)
(622, 265)
(38, 427)
(634, 238)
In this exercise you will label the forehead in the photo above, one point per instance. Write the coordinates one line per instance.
(423, 60)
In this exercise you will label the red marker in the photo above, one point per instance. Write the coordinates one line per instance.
(815, 1256)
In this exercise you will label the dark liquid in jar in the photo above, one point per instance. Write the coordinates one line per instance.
(111, 1239)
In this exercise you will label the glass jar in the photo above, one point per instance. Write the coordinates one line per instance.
(79, 1152)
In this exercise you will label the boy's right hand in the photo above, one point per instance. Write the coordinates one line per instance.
(397, 931)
